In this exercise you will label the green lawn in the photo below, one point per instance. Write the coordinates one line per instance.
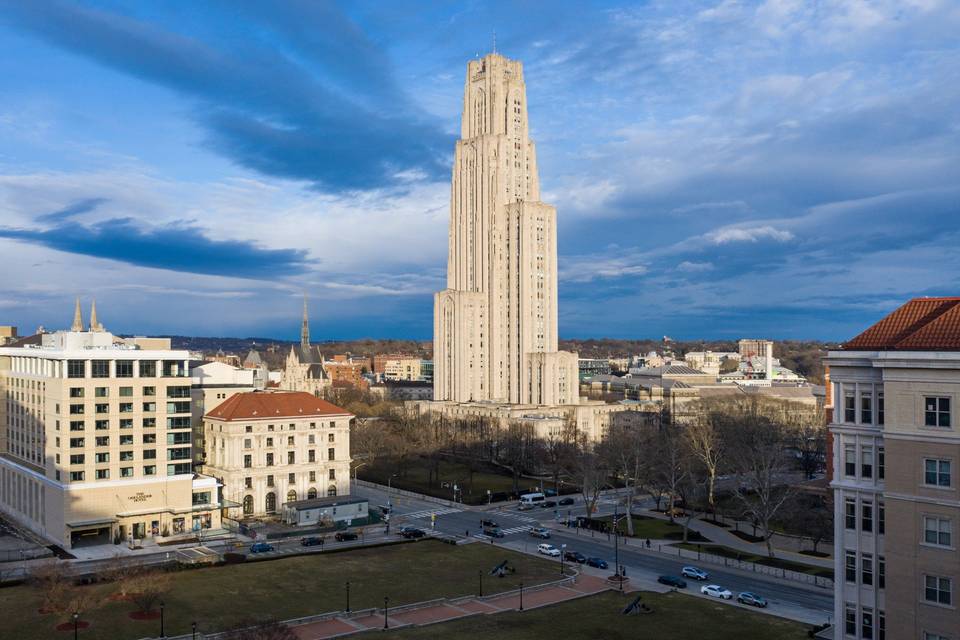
(415, 475)
(727, 552)
(220, 597)
(675, 617)
(653, 528)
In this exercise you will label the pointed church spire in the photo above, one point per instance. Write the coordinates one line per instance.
(94, 325)
(77, 318)
(305, 329)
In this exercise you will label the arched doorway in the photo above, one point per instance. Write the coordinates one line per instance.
(271, 502)
(248, 505)
(311, 493)
(291, 496)
(332, 490)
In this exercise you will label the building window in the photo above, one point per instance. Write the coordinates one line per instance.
(291, 457)
(311, 493)
(100, 368)
(937, 531)
(76, 409)
(849, 408)
(101, 425)
(312, 455)
(866, 624)
(850, 461)
(866, 408)
(313, 476)
(269, 481)
(851, 566)
(881, 573)
(866, 462)
(880, 463)
(126, 456)
(126, 392)
(76, 476)
(332, 490)
(329, 437)
(101, 407)
(247, 461)
(331, 453)
(247, 505)
(291, 478)
(866, 569)
(76, 392)
(333, 474)
(148, 369)
(247, 443)
(269, 442)
(937, 590)
(150, 470)
(269, 459)
(271, 502)
(76, 425)
(149, 454)
(149, 391)
(290, 441)
(149, 407)
(248, 482)
(124, 368)
(850, 619)
(126, 423)
(149, 423)
(311, 439)
(126, 472)
(76, 369)
(126, 440)
(102, 441)
(77, 458)
(880, 414)
(76, 443)
(102, 458)
(866, 516)
(936, 473)
(881, 518)
(936, 411)
(102, 474)
(248, 429)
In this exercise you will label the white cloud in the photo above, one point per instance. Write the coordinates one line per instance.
(727, 235)
(694, 267)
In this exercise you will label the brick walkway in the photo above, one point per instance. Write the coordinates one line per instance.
(430, 614)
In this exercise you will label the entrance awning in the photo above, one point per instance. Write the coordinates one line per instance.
(89, 524)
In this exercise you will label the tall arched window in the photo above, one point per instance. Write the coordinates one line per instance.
(332, 490)
(311, 493)
(247, 505)
(291, 496)
(271, 502)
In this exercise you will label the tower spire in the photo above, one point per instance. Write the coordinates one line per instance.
(305, 329)
(94, 325)
(77, 318)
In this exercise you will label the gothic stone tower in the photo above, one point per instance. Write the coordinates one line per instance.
(495, 325)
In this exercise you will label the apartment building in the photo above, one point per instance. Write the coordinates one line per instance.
(97, 441)
(270, 448)
(896, 452)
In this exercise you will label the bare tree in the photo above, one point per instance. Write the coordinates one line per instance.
(150, 586)
(670, 468)
(53, 582)
(590, 472)
(625, 450)
(559, 450)
(705, 444)
(516, 450)
(810, 516)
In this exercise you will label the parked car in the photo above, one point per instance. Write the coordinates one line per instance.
(574, 556)
(716, 591)
(345, 535)
(261, 547)
(540, 532)
(488, 523)
(695, 572)
(548, 550)
(752, 599)
(673, 581)
(566, 502)
(494, 532)
(548, 504)
(404, 528)
(599, 563)
(413, 532)
(311, 541)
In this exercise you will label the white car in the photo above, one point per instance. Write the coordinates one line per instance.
(548, 550)
(695, 573)
(716, 591)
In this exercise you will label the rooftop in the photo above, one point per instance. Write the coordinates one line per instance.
(922, 324)
(263, 405)
(321, 503)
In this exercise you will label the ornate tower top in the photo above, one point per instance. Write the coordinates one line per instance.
(77, 318)
(94, 324)
(305, 329)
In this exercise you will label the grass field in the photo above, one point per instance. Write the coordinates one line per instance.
(727, 552)
(416, 474)
(220, 597)
(675, 617)
(653, 528)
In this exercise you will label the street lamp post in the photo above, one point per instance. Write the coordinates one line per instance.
(76, 625)
(193, 630)
(348, 597)
(162, 633)
(386, 602)
(521, 596)
(563, 548)
(616, 543)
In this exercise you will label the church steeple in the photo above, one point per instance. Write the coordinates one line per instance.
(305, 329)
(77, 318)
(94, 324)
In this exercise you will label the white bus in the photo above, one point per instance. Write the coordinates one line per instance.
(531, 500)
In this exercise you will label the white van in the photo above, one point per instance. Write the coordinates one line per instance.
(530, 500)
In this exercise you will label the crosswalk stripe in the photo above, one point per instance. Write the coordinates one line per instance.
(426, 513)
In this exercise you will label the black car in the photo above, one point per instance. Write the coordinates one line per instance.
(494, 532)
(574, 556)
(412, 533)
(345, 535)
(566, 502)
(599, 563)
(311, 541)
(488, 523)
(548, 504)
(673, 581)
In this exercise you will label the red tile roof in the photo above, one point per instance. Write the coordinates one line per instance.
(923, 324)
(262, 405)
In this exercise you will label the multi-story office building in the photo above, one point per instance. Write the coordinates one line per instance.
(896, 452)
(97, 440)
(271, 448)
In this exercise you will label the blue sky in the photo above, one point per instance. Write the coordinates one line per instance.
(788, 168)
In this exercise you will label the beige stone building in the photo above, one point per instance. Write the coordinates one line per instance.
(268, 448)
(97, 440)
(896, 444)
(303, 369)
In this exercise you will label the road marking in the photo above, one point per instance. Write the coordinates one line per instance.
(426, 513)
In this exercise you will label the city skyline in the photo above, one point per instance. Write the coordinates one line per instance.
(778, 169)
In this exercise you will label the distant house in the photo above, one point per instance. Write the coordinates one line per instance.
(326, 511)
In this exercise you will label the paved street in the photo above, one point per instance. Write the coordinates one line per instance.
(799, 602)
